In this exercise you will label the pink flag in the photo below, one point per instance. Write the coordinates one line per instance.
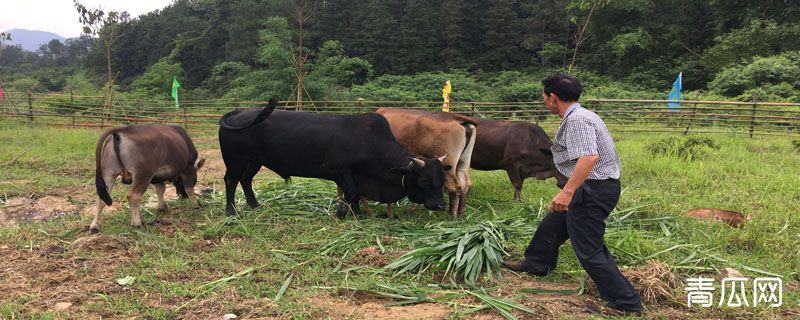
(2, 93)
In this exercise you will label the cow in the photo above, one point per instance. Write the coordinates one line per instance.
(437, 134)
(144, 155)
(357, 152)
(520, 148)
(732, 218)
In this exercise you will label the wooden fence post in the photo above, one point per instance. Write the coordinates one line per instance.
(137, 111)
(690, 118)
(30, 107)
(102, 114)
(753, 115)
(72, 106)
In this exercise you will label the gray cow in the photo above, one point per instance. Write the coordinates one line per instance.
(144, 155)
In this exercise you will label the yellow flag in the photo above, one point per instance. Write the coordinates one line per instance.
(446, 96)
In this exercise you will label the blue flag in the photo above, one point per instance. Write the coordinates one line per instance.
(675, 93)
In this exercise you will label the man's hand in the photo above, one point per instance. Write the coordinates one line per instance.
(561, 201)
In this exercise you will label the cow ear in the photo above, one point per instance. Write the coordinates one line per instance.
(546, 151)
(273, 102)
(200, 163)
(402, 170)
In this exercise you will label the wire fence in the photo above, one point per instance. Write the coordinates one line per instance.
(752, 118)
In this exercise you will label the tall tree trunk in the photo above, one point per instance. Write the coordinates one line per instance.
(109, 104)
(299, 60)
(110, 80)
(580, 37)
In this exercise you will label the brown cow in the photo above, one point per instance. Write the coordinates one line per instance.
(520, 148)
(144, 155)
(732, 218)
(436, 135)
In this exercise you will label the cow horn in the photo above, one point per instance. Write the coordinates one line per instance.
(417, 162)
(441, 159)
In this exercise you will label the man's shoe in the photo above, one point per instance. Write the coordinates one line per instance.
(612, 312)
(513, 265)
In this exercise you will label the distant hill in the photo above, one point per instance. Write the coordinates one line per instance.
(31, 39)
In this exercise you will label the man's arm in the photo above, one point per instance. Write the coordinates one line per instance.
(583, 167)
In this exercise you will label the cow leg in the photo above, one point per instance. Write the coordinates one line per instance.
(160, 188)
(351, 196)
(389, 212)
(232, 176)
(454, 197)
(369, 211)
(466, 187)
(452, 185)
(95, 226)
(516, 181)
(250, 171)
(135, 199)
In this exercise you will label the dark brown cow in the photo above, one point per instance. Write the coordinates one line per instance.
(436, 135)
(520, 148)
(144, 155)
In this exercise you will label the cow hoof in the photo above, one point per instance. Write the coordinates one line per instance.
(162, 210)
(254, 205)
(94, 230)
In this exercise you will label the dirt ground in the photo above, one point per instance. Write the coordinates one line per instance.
(63, 277)
(68, 275)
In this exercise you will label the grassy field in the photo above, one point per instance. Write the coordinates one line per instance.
(293, 259)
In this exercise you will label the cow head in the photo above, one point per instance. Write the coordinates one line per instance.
(191, 179)
(548, 169)
(188, 180)
(423, 182)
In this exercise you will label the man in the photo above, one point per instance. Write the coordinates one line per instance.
(584, 152)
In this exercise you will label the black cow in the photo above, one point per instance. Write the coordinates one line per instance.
(358, 152)
(520, 148)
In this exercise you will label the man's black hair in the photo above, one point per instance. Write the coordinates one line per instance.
(565, 86)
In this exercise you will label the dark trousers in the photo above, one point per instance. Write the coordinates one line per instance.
(584, 224)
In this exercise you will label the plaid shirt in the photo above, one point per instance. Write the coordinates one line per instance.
(583, 133)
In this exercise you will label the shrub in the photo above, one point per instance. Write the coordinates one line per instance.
(689, 148)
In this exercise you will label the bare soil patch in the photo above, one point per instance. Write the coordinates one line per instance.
(60, 277)
(356, 305)
(21, 209)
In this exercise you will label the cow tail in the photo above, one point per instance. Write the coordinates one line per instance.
(469, 128)
(99, 182)
(263, 115)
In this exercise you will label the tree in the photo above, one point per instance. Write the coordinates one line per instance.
(588, 7)
(304, 12)
(6, 37)
(105, 26)
(503, 37)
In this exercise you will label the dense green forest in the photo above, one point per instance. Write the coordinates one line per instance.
(405, 49)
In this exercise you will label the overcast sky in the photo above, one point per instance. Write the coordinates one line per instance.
(60, 17)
